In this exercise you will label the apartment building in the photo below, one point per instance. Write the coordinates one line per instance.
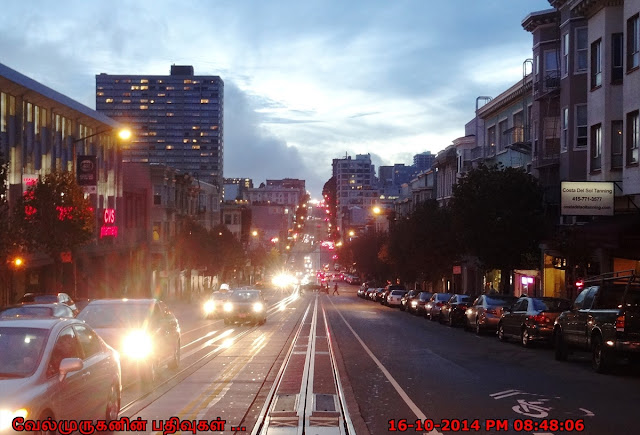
(178, 119)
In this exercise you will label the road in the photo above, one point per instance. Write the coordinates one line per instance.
(393, 368)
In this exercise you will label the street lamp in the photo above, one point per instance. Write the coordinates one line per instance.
(122, 133)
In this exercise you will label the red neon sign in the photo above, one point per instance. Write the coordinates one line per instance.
(109, 216)
(106, 231)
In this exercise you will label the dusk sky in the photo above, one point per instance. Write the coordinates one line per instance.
(305, 81)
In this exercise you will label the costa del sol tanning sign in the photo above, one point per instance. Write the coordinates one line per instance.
(587, 198)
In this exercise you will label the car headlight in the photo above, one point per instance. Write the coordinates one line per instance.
(414, 304)
(228, 307)
(7, 416)
(137, 344)
(209, 307)
(258, 307)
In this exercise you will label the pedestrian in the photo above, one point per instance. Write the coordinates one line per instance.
(335, 289)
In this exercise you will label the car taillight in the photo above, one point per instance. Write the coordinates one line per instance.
(492, 311)
(620, 323)
(462, 307)
(439, 304)
(540, 318)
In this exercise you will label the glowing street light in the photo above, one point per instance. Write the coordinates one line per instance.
(377, 210)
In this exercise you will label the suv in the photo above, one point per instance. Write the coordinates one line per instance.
(604, 319)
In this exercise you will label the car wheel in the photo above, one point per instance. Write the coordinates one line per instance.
(525, 338)
(501, 334)
(560, 347)
(478, 328)
(601, 357)
(113, 403)
(175, 360)
(151, 373)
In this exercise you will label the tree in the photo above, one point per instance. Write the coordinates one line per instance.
(226, 252)
(54, 217)
(329, 193)
(498, 214)
(6, 241)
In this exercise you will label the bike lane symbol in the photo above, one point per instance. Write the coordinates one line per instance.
(532, 408)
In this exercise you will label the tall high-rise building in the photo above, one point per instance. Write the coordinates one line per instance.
(356, 189)
(177, 119)
(423, 161)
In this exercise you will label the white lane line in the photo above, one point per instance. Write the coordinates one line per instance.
(386, 373)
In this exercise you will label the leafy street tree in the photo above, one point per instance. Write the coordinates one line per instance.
(369, 257)
(226, 252)
(498, 214)
(5, 234)
(54, 217)
(424, 244)
(329, 193)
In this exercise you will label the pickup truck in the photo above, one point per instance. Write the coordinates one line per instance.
(604, 319)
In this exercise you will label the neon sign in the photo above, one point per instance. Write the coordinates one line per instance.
(108, 228)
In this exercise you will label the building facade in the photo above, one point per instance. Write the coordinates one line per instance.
(178, 119)
(356, 188)
(43, 131)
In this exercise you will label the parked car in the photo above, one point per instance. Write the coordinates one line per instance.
(376, 295)
(212, 306)
(37, 310)
(404, 302)
(48, 298)
(604, 319)
(452, 313)
(394, 298)
(418, 304)
(144, 331)
(245, 306)
(368, 294)
(486, 311)
(56, 368)
(387, 290)
(433, 307)
(531, 319)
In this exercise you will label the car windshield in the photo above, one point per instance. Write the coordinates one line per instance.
(219, 296)
(443, 297)
(117, 315)
(21, 351)
(551, 304)
(244, 296)
(464, 298)
(500, 301)
(425, 296)
(398, 292)
(26, 310)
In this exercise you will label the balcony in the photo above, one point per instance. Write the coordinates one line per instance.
(547, 84)
(550, 156)
(517, 138)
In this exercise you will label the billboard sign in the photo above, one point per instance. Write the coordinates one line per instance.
(587, 198)
(87, 170)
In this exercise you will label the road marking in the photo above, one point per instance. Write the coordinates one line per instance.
(506, 393)
(386, 373)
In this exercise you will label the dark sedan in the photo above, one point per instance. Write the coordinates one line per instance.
(245, 306)
(452, 313)
(144, 331)
(486, 311)
(419, 303)
(531, 319)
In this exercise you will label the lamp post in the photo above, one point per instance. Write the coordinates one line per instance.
(123, 133)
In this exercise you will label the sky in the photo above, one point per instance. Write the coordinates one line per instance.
(305, 81)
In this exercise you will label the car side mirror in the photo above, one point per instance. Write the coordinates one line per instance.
(69, 365)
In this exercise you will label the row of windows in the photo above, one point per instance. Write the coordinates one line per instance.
(619, 135)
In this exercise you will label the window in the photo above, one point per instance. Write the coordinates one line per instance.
(565, 54)
(596, 147)
(89, 341)
(633, 137)
(616, 144)
(565, 128)
(633, 42)
(534, 127)
(551, 69)
(616, 58)
(491, 139)
(581, 49)
(66, 347)
(596, 64)
(536, 66)
(581, 125)
(518, 127)
(503, 135)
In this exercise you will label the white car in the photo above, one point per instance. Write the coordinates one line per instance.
(58, 368)
(395, 297)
